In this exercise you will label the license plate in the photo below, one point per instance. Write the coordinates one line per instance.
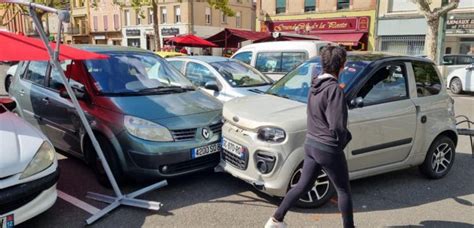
(232, 147)
(206, 150)
(7, 222)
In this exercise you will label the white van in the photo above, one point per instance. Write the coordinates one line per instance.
(275, 59)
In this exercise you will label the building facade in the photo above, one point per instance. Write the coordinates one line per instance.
(105, 24)
(347, 22)
(401, 29)
(80, 22)
(178, 17)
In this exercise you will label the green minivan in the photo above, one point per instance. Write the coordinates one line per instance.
(150, 120)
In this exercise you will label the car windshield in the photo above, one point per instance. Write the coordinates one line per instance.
(131, 73)
(296, 84)
(240, 75)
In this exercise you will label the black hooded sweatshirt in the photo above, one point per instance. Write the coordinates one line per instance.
(327, 115)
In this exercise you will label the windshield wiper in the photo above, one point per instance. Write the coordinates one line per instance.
(279, 95)
(166, 89)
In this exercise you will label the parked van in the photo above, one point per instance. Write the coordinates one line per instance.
(275, 59)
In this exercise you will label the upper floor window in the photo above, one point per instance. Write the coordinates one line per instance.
(150, 16)
(309, 5)
(223, 18)
(238, 19)
(280, 6)
(343, 4)
(465, 4)
(177, 14)
(106, 23)
(163, 15)
(139, 18)
(126, 17)
(95, 20)
(401, 5)
(116, 22)
(208, 15)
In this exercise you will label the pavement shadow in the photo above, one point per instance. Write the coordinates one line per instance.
(436, 224)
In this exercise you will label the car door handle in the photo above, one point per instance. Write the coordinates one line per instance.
(423, 119)
(45, 100)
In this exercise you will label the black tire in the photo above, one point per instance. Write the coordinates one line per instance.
(325, 191)
(8, 82)
(439, 159)
(456, 86)
(111, 156)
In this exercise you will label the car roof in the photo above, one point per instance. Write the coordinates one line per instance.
(284, 45)
(203, 58)
(108, 48)
(372, 56)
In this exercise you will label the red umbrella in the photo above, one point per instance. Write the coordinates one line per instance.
(20, 48)
(190, 40)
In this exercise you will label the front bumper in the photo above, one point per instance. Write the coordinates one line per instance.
(286, 160)
(149, 160)
(29, 199)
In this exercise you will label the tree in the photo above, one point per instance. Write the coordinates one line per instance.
(222, 5)
(432, 19)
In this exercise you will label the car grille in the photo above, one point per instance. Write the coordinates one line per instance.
(216, 128)
(206, 161)
(234, 160)
(184, 134)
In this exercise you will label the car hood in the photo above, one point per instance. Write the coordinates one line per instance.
(18, 145)
(247, 91)
(156, 107)
(252, 112)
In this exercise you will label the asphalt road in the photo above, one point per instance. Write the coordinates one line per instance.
(399, 199)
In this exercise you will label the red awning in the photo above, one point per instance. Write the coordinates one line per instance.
(21, 48)
(230, 38)
(189, 40)
(350, 39)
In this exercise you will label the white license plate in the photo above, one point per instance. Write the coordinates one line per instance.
(232, 147)
(206, 150)
(7, 222)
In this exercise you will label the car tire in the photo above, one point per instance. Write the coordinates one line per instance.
(322, 191)
(439, 159)
(456, 86)
(8, 82)
(111, 156)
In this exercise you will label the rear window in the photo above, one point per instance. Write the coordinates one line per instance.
(245, 57)
(427, 79)
(279, 62)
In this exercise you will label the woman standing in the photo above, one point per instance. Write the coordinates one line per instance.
(326, 139)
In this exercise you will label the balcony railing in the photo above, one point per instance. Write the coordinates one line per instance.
(76, 31)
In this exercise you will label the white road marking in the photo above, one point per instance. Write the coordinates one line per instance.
(78, 203)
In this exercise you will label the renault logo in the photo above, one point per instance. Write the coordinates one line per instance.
(206, 133)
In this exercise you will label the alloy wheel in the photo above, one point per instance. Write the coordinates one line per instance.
(442, 158)
(319, 190)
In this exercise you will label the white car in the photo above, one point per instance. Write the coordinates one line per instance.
(28, 169)
(9, 76)
(461, 80)
(222, 77)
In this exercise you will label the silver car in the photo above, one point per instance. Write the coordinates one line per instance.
(399, 114)
(222, 77)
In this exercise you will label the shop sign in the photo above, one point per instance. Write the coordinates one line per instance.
(99, 37)
(132, 32)
(460, 26)
(315, 26)
(169, 31)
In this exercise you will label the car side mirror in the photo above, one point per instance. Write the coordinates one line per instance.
(212, 85)
(357, 102)
(470, 67)
(8, 103)
(79, 92)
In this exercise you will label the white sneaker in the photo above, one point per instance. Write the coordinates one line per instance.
(271, 223)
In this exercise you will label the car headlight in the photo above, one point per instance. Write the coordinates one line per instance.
(147, 130)
(43, 158)
(271, 134)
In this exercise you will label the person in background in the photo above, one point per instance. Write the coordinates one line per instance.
(326, 138)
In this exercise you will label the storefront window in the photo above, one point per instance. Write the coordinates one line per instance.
(405, 45)
(133, 42)
(309, 5)
(343, 4)
(280, 6)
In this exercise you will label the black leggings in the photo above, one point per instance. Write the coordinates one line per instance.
(335, 165)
